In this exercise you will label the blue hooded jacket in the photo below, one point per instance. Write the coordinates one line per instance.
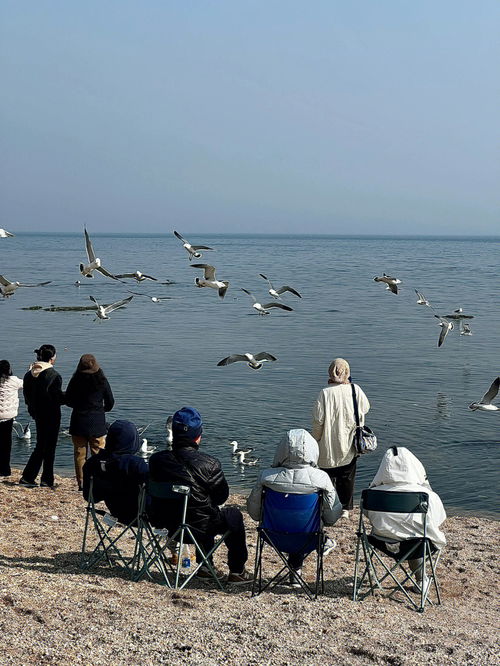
(117, 471)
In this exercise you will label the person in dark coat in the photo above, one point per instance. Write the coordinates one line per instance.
(90, 396)
(186, 465)
(43, 394)
(117, 472)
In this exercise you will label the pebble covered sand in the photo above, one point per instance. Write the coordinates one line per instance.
(53, 613)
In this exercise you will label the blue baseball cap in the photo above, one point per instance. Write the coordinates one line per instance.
(187, 423)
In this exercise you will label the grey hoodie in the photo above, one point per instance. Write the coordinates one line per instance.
(295, 470)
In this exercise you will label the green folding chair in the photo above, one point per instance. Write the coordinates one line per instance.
(373, 553)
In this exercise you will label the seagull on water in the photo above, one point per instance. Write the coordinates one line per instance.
(7, 288)
(154, 299)
(5, 234)
(446, 327)
(485, 403)
(94, 262)
(391, 282)
(254, 362)
(192, 250)
(276, 293)
(465, 329)
(243, 460)
(168, 428)
(22, 432)
(103, 311)
(236, 451)
(137, 275)
(263, 308)
(208, 280)
(144, 449)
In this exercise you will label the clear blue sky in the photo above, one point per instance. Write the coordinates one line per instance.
(373, 116)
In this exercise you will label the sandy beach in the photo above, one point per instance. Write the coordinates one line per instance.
(52, 613)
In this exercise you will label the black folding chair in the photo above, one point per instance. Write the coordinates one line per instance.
(106, 539)
(290, 524)
(373, 551)
(155, 542)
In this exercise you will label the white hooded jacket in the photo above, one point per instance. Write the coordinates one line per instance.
(295, 470)
(405, 472)
(9, 397)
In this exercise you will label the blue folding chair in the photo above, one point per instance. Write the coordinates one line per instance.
(290, 524)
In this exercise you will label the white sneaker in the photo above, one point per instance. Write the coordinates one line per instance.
(293, 581)
(328, 546)
(418, 587)
(345, 514)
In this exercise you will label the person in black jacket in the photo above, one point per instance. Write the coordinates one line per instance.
(186, 465)
(90, 396)
(42, 388)
(117, 471)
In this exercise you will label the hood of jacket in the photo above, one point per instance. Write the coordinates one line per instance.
(297, 448)
(401, 468)
(122, 438)
(38, 367)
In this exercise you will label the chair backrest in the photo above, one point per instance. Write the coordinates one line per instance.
(168, 503)
(291, 513)
(394, 501)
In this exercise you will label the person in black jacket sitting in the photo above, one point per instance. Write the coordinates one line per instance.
(186, 465)
(118, 472)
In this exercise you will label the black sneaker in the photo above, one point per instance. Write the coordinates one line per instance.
(44, 484)
(27, 484)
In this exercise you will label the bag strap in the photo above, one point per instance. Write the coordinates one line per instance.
(355, 403)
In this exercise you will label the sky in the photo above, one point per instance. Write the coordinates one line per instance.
(358, 117)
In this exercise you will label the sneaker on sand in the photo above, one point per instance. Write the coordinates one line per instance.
(205, 574)
(44, 484)
(240, 578)
(27, 484)
(418, 587)
(345, 514)
(328, 546)
(293, 582)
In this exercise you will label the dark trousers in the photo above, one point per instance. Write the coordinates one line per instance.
(230, 519)
(5, 446)
(47, 431)
(343, 480)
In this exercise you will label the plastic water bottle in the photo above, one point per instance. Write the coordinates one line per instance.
(186, 561)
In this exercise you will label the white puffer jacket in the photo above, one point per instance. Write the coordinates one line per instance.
(405, 472)
(294, 471)
(9, 397)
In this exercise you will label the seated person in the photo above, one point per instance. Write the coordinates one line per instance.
(117, 471)
(295, 470)
(400, 470)
(186, 465)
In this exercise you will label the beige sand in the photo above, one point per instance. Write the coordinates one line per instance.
(52, 613)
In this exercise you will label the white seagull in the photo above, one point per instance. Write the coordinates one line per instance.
(254, 362)
(22, 432)
(421, 300)
(465, 329)
(192, 250)
(137, 275)
(144, 449)
(236, 450)
(208, 280)
(458, 315)
(94, 262)
(168, 428)
(5, 234)
(154, 299)
(485, 403)
(263, 308)
(446, 327)
(276, 293)
(391, 282)
(102, 311)
(243, 460)
(7, 288)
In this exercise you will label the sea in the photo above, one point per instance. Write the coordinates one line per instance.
(161, 356)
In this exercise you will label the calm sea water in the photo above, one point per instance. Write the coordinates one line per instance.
(159, 357)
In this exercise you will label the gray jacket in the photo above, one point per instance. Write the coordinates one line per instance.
(294, 471)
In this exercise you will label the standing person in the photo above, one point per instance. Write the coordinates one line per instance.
(90, 396)
(9, 405)
(334, 425)
(43, 396)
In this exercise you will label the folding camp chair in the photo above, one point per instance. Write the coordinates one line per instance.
(109, 541)
(373, 551)
(154, 543)
(290, 524)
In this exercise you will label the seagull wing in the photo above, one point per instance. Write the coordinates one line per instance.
(177, 235)
(277, 305)
(264, 356)
(118, 304)
(232, 359)
(444, 332)
(393, 287)
(209, 270)
(137, 293)
(491, 393)
(201, 247)
(4, 281)
(88, 244)
(124, 275)
(103, 271)
(93, 300)
(282, 290)
(249, 293)
(38, 284)
(149, 277)
(267, 280)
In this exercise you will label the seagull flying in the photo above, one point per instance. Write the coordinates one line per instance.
(5, 234)
(22, 432)
(391, 282)
(137, 275)
(276, 293)
(254, 362)
(104, 310)
(94, 262)
(458, 315)
(154, 299)
(421, 300)
(465, 329)
(192, 250)
(485, 403)
(8, 288)
(446, 327)
(263, 308)
(208, 280)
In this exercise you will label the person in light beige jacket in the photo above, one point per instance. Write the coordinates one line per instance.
(333, 426)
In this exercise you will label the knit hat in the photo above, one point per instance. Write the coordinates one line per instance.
(88, 364)
(187, 424)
